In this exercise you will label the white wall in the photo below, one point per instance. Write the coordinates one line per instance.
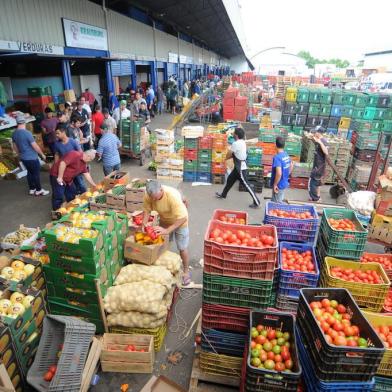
(378, 61)
(239, 64)
(165, 43)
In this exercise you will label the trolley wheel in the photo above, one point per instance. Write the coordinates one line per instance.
(142, 159)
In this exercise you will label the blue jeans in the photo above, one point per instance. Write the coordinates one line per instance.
(313, 188)
(160, 107)
(277, 197)
(80, 185)
(33, 176)
(61, 191)
(108, 169)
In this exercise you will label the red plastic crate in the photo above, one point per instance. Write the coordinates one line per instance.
(231, 92)
(40, 101)
(239, 117)
(230, 214)
(218, 168)
(299, 183)
(225, 317)
(190, 154)
(240, 101)
(205, 142)
(228, 102)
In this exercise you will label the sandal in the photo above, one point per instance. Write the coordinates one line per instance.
(186, 280)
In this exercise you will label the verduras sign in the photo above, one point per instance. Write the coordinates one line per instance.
(36, 47)
(82, 35)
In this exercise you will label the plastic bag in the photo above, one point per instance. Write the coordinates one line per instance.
(171, 261)
(137, 273)
(362, 202)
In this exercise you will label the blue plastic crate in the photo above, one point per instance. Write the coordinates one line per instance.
(383, 384)
(189, 176)
(203, 177)
(336, 111)
(291, 229)
(290, 282)
(228, 343)
(315, 385)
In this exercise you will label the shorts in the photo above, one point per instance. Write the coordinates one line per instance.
(277, 197)
(181, 236)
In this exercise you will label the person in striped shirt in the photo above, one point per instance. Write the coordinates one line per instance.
(108, 151)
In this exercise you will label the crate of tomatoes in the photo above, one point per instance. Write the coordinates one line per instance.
(385, 260)
(383, 326)
(367, 282)
(228, 216)
(272, 362)
(387, 308)
(343, 233)
(293, 223)
(297, 267)
(240, 251)
(341, 343)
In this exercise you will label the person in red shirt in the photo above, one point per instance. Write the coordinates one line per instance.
(89, 96)
(97, 119)
(64, 171)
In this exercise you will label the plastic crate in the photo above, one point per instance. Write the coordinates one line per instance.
(313, 384)
(247, 293)
(346, 244)
(229, 214)
(223, 342)
(241, 254)
(223, 317)
(382, 384)
(203, 177)
(218, 156)
(338, 363)
(255, 174)
(218, 168)
(302, 95)
(286, 304)
(190, 143)
(256, 186)
(204, 167)
(366, 295)
(75, 337)
(385, 256)
(204, 155)
(158, 333)
(222, 365)
(190, 165)
(367, 142)
(290, 282)
(218, 179)
(270, 380)
(205, 142)
(190, 154)
(295, 230)
(189, 176)
(377, 320)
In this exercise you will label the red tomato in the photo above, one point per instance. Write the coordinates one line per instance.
(53, 369)
(288, 364)
(48, 376)
(271, 334)
(279, 367)
(340, 341)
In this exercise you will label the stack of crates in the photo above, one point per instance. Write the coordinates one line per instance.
(39, 99)
(219, 151)
(267, 138)
(235, 107)
(166, 156)
(341, 244)
(295, 235)
(20, 335)
(255, 172)
(191, 149)
(204, 157)
(130, 135)
(235, 280)
(81, 264)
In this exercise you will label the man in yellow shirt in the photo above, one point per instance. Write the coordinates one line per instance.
(173, 215)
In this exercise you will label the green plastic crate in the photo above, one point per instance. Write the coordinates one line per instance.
(204, 155)
(387, 114)
(314, 95)
(349, 98)
(380, 113)
(367, 141)
(387, 126)
(358, 113)
(325, 110)
(369, 113)
(68, 293)
(347, 111)
(302, 95)
(249, 293)
(326, 96)
(337, 97)
(268, 137)
(297, 131)
(39, 91)
(204, 166)
(373, 99)
(191, 143)
(361, 101)
(345, 244)
(190, 165)
(136, 126)
(314, 109)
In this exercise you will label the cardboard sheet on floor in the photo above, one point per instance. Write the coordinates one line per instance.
(161, 384)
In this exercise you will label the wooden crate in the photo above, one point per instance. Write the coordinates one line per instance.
(118, 360)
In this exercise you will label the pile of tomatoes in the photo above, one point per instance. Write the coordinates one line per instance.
(270, 349)
(385, 334)
(293, 260)
(357, 276)
(240, 238)
(335, 323)
(388, 302)
(232, 219)
(384, 260)
(342, 224)
(290, 214)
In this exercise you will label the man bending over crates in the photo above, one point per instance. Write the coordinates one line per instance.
(238, 153)
(173, 217)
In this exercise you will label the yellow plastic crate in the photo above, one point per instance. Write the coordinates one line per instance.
(218, 156)
(158, 333)
(367, 296)
(223, 365)
(377, 320)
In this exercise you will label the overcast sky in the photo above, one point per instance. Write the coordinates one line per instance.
(326, 28)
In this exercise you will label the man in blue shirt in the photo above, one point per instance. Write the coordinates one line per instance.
(28, 150)
(108, 151)
(281, 170)
(113, 102)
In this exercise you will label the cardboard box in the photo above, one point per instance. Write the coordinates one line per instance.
(134, 206)
(145, 254)
(116, 178)
(115, 358)
(163, 384)
(135, 194)
(69, 95)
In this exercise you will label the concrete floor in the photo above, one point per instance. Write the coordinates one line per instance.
(16, 208)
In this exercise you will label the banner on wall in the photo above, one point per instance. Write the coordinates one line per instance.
(173, 57)
(82, 35)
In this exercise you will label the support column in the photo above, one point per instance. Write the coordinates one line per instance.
(133, 76)
(109, 77)
(153, 74)
(66, 71)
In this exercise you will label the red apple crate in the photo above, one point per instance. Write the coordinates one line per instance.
(224, 317)
(230, 214)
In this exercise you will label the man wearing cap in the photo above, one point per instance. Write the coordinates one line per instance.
(122, 112)
(319, 163)
(48, 125)
(63, 173)
(28, 150)
(108, 151)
